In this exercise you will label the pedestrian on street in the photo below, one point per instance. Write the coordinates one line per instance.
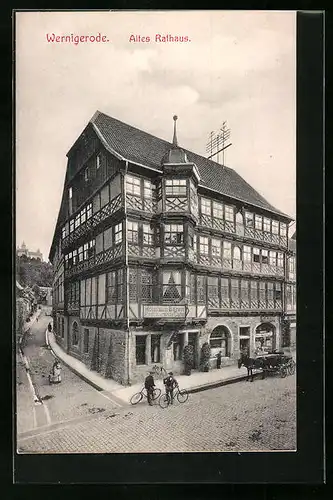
(170, 384)
(149, 386)
(218, 359)
(55, 375)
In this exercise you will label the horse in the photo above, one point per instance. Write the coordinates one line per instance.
(252, 363)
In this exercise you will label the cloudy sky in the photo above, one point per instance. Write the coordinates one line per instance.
(240, 66)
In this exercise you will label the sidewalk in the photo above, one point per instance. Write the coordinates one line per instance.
(197, 381)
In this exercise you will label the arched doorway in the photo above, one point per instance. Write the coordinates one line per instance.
(265, 338)
(220, 340)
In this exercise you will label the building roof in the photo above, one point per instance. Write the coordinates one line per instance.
(137, 146)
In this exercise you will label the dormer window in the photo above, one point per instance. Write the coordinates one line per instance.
(98, 161)
(86, 174)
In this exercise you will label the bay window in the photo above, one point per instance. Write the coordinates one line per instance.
(147, 189)
(283, 229)
(174, 234)
(280, 259)
(278, 292)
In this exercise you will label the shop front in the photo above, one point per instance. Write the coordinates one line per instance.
(265, 338)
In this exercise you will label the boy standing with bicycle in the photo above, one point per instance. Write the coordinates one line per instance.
(170, 384)
(149, 385)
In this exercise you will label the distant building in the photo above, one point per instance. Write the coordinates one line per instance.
(47, 293)
(23, 250)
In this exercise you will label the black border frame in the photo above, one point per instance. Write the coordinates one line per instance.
(305, 466)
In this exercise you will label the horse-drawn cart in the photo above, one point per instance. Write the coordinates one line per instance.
(278, 364)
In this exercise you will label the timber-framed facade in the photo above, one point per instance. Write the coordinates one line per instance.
(156, 247)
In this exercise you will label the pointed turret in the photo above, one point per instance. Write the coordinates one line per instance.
(175, 155)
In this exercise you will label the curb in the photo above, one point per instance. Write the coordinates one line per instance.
(220, 383)
(79, 374)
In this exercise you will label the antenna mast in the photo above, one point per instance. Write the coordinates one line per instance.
(217, 141)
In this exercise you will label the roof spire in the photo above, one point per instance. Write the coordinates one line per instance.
(174, 140)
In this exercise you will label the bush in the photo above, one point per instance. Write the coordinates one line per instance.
(188, 358)
(205, 357)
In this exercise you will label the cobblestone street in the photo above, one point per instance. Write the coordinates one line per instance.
(238, 417)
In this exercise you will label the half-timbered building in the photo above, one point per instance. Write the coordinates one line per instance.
(156, 247)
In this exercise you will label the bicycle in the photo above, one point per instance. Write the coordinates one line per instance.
(180, 394)
(138, 396)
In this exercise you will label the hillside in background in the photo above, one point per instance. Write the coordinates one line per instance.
(32, 272)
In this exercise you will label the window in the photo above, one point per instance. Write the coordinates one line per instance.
(216, 247)
(262, 291)
(225, 290)
(229, 213)
(292, 265)
(147, 189)
(249, 219)
(86, 340)
(280, 259)
(264, 256)
(237, 253)
(201, 289)
(175, 187)
(226, 250)
(133, 285)
(235, 291)
(275, 227)
(118, 233)
(71, 225)
(98, 161)
(120, 286)
(258, 222)
(148, 235)
(283, 229)
(213, 291)
(254, 290)
(86, 174)
(77, 221)
(140, 349)
(272, 258)
(245, 291)
(270, 291)
(174, 234)
(278, 291)
(267, 225)
(111, 290)
(206, 206)
(246, 254)
(256, 255)
(63, 232)
(219, 339)
(75, 333)
(217, 210)
(146, 285)
(75, 257)
(172, 291)
(155, 348)
(132, 232)
(89, 210)
(203, 245)
(70, 193)
(133, 185)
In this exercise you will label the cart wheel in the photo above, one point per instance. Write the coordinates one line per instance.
(136, 398)
(283, 372)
